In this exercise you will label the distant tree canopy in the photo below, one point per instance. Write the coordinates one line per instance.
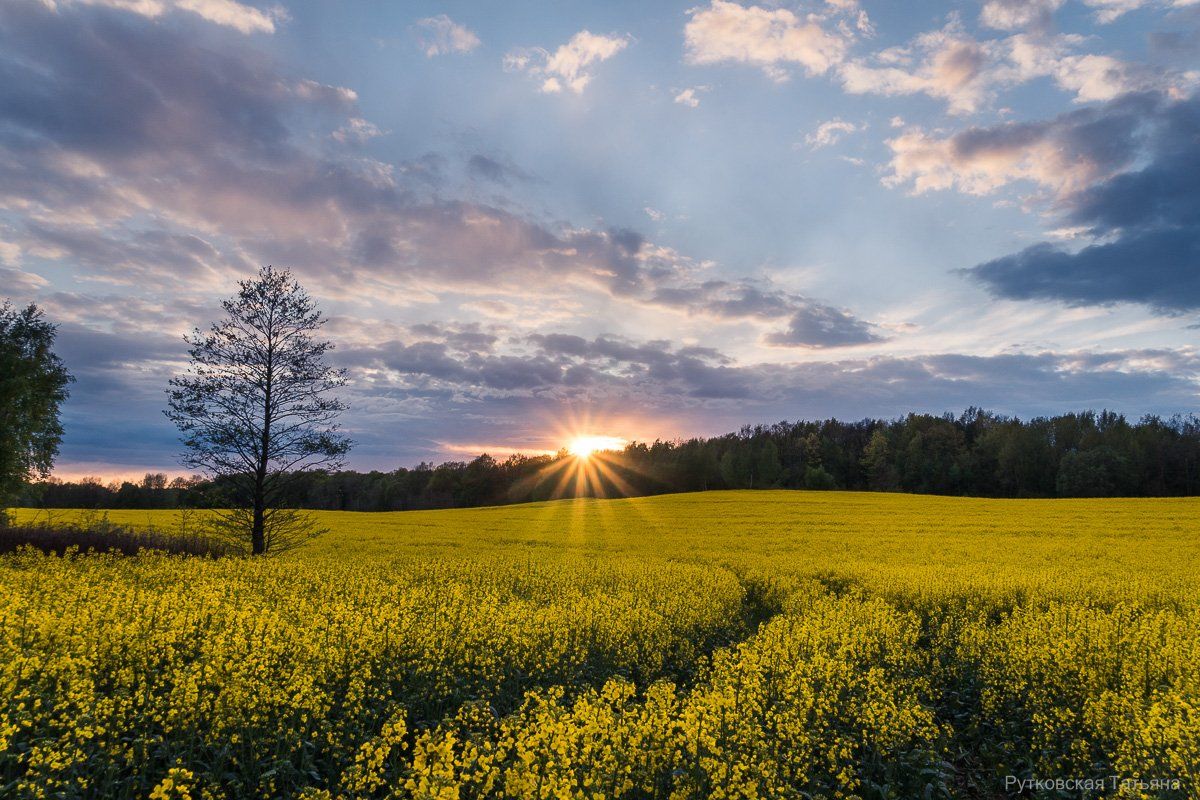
(976, 453)
(33, 384)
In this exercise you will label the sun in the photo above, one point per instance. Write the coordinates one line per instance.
(585, 446)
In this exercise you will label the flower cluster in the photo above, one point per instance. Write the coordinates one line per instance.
(725, 645)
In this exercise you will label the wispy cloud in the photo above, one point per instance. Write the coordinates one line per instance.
(228, 13)
(569, 67)
(440, 35)
(830, 133)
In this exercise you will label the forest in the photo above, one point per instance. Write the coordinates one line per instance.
(976, 453)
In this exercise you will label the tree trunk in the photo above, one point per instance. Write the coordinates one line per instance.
(258, 535)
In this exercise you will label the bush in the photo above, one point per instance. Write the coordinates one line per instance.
(818, 478)
(104, 537)
(1099, 472)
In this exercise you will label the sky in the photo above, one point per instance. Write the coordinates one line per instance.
(530, 220)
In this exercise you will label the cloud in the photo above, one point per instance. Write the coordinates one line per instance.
(132, 256)
(228, 13)
(1024, 384)
(1122, 174)
(771, 39)
(557, 371)
(18, 283)
(91, 136)
(1011, 15)
(1091, 77)
(357, 130)
(1063, 154)
(809, 323)
(155, 166)
(182, 162)
(1144, 220)
(830, 133)
(440, 35)
(1110, 10)
(1157, 268)
(816, 325)
(950, 65)
(184, 166)
(1014, 14)
(1176, 44)
(688, 97)
(568, 66)
(466, 338)
(501, 172)
(552, 365)
(566, 368)
(113, 421)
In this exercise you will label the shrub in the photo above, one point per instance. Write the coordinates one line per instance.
(104, 537)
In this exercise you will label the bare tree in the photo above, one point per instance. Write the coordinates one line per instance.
(257, 404)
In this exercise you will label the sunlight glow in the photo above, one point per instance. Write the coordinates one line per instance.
(584, 446)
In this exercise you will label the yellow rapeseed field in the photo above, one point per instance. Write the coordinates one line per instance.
(723, 644)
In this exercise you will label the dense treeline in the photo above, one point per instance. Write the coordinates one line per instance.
(977, 453)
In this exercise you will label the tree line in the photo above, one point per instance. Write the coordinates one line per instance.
(976, 453)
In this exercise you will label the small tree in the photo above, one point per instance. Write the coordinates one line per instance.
(256, 405)
(876, 460)
(33, 384)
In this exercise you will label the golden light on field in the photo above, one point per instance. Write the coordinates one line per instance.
(584, 446)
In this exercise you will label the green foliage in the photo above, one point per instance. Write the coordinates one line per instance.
(1100, 472)
(33, 384)
(818, 478)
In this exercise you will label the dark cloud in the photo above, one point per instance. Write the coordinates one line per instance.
(1146, 221)
(111, 84)
(468, 338)
(728, 300)
(1181, 44)
(501, 172)
(1159, 268)
(18, 283)
(131, 255)
(809, 323)
(121, 377)
(1024, 384)
(561, 364)
(86, 350)
(815, 325)
(655, 374)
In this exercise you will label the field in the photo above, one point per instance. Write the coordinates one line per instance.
(724, 644)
